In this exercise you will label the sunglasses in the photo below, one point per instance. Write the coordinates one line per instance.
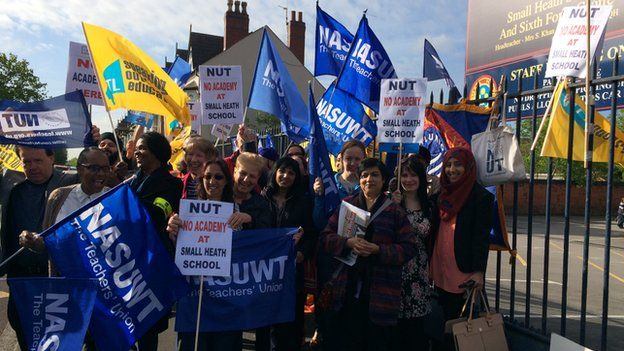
(215, 176)
(96, 168)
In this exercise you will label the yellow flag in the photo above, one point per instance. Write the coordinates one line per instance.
(130, 79)
(9, 158)
(556, 141)
(177, 145)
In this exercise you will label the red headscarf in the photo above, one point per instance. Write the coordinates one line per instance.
(454, 195)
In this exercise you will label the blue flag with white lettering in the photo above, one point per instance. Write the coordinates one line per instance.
(60, 122)
(433, 68)
(367, 64)
(343, 118)
(332, 44)
(113, 240)
(260, 290)
(54, 312)
(179, 71)
(274, 92)
(140, 118)
(319, 165)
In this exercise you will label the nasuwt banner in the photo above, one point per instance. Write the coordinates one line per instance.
(260, 290)
(131, 79)
(221, 94)
(332, 44)
(556, 140)
(54, 312)
(113, 240)
(402, 111)
(9, 159)
(568, 51)
(204, 243)
(343, 118)
(81, 76)
(60, 122)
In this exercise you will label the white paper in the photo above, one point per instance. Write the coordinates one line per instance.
(352, 221)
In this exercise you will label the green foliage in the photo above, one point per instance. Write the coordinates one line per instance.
(60, 156)
(263, 121)
(18, 81)
(73, 162)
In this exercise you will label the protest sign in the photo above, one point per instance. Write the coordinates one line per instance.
(260, 290)
(59, 122)
(352, 222)
(402, 112)
(81, 76)
(54, 312)
(568, 51)
(221, 94)
(204, 243)
(113, 240)
(195, 109)
(221, 131)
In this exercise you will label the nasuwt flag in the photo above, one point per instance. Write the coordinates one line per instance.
(433, 68)
(556, 141)
(343, 118)
(260, 290)
(332, 44)
(59, 122)
(273, 91)
(9, 159)
(179, 71)
(366, 65)
(319, 164)
(448, 126)
(54, 312)
(131, 79)
(113, 240)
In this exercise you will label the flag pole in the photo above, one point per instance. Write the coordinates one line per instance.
(546, 113)
(589, 127)
(399, 170)
(110, 119)
(12, 256)
(201, 295)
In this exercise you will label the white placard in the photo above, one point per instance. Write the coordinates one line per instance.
(559, 343)
(221, 94)
(81, 76)
(352, 221)
(221, 131)
(204, 244)
(568, 51)
(402, 110)
(195, 110)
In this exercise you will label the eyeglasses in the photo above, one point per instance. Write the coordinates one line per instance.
(96, 168)
(215, 176)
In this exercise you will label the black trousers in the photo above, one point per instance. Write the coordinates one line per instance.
(213, 341)
(451, 305)
(15, 323)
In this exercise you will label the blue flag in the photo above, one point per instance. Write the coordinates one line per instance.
(113, 240)
(433, 68)
(319, 159)
(54, 312)
(343, 118)
(268, 142)
(179, 71)
(60, 122)
(259, 292)
(332, 44)
(274, 92)
(367, 64)
(140, 118)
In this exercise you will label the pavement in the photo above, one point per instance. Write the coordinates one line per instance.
(533, 258)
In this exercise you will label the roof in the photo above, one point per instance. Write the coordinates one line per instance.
(184, 54)
(203, 47)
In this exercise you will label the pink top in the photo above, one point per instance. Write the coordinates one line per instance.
(444, 271)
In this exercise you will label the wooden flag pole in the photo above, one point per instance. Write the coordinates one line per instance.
(399, 168)
(546, 113)
(589, 127)
(201, 295)
(110, 119)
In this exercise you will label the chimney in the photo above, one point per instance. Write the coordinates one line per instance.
(236, 23)
(296, 35)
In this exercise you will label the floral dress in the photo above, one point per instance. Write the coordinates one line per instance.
(415, 288)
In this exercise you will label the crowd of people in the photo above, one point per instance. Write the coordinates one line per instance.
(426, 240)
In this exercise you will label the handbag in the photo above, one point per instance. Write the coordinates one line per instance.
(485, 333)
(497, 155)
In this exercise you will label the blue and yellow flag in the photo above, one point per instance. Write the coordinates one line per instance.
(130, 79)
(556, 141)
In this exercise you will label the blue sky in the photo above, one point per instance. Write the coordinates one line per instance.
(40, 30)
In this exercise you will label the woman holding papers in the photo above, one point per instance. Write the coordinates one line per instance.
(460, 246)
(367, 295)
(290, 207)
(411, 195)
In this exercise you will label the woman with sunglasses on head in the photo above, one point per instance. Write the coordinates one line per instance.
(422, 214)
(290, 207)
(460, 246)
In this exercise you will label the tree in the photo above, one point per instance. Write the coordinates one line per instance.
(18, 81)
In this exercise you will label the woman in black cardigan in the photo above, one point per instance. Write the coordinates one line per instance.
(460, 246)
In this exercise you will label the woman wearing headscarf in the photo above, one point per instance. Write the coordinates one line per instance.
(460, 246)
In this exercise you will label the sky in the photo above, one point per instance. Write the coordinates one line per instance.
(40, 30)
